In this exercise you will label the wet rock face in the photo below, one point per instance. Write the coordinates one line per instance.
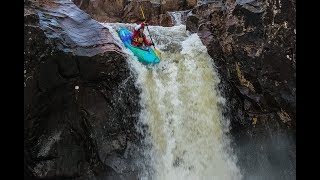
(174, 5)
(80, 101)
(253, 44)
(132, 12)
(162, 20)
(126, 11)
(256, 50)
(103, 11)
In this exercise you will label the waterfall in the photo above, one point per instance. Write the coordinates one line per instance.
(185, 136)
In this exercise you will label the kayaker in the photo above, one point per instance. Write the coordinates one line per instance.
(138, 37)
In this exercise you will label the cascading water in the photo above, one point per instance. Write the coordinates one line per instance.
(179, 17)
(181, 107)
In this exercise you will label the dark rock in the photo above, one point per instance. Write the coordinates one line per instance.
(129, 11)
(253, 46)
(109, 10)
(67, 65)
(81, 103)
(132, 12)
(192, 23)
(162, 20)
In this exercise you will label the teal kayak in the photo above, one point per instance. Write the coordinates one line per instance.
(146, 56)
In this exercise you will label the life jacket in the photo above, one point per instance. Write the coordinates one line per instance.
(138, 39)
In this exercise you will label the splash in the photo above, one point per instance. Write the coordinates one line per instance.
(181, 106)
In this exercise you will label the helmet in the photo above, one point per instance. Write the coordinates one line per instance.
(142, 25)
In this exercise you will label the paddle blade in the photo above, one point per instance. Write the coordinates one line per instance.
(157, 52)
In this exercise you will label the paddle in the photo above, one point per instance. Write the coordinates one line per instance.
(154, 48)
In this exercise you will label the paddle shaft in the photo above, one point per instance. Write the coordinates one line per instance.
(150, 36)
(157, 52)
(145, 20)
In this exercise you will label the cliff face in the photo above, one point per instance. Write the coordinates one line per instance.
(253, 44)
(106, 10)
(255, 51)
(155, 11)
(80, 101)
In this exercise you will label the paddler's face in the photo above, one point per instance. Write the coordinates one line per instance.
(141, 30)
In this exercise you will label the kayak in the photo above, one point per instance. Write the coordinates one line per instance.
(146, 56)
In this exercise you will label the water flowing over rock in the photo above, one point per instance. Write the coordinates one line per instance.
(80, 101)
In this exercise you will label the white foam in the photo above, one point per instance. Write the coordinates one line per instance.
(180, 106)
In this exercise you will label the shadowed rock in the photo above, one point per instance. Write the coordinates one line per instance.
(253, 44)
(126, 11)
(80, 101)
